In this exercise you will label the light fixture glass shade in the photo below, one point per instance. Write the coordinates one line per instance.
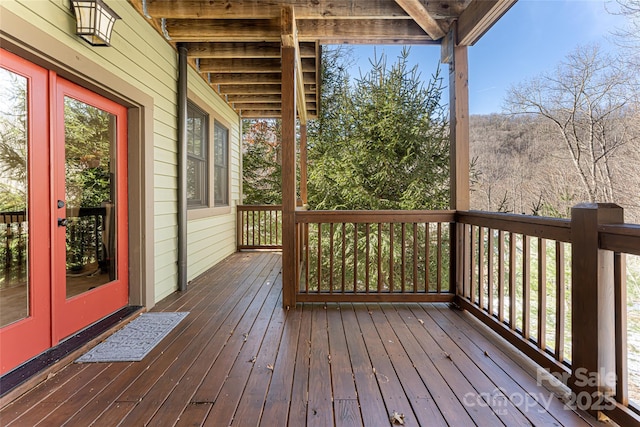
(94, 21)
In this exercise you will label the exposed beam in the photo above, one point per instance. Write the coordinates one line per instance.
(361, 31)
(289, 35)
(256, 78)
(323, 30)
(261, 114)
(257, 98)
(265, 105)
(421, 15)
(223, 30)
(250, 89)
(244, 50)
(268, 114)
(245, 78)
(258, 106)
(478, 17)
(261, 89)
(240, 65)
(317, 9)
(250, 65)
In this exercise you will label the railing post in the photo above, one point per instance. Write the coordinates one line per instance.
(592, 306)
(289, 279)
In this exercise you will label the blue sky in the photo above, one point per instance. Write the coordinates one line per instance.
(530, 39)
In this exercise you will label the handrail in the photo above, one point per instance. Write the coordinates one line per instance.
(534, 226)
(623, 238)
(382, 216)
(256, 208)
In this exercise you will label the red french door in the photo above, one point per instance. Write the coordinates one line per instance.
(63, 238)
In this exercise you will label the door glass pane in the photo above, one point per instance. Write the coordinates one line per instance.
(14, 236)
(90, 166)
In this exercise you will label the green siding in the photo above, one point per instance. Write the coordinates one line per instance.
(212, 239)
(141, 57)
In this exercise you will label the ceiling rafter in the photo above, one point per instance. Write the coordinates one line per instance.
(421, 15)
(478, 17)
(236, 45)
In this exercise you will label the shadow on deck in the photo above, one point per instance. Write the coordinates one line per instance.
(240, 359)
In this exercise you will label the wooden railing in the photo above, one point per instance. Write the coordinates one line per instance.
(85, 244)
(259, 227)
(514, 274)
(622, 240)
(522, 276)
(13, 247)
(374, 256)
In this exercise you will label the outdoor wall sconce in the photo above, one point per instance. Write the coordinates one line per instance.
(94, 21)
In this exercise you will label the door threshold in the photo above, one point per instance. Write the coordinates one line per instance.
(17, 381)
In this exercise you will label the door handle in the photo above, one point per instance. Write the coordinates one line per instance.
(62, 222)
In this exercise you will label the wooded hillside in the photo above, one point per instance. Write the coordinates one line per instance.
(520, 165)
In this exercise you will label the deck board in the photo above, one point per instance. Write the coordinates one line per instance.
(335, 364)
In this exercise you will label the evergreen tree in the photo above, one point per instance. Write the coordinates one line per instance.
(381, 144)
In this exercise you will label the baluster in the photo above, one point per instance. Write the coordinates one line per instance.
(246, 216)
(367, 230)
(307, 250)
(472, 277)
(379, 257)
(526, 286)
(512, 280)
(427, 267)
(391, 257)
(331, 258)
(481, 267)
(501, 276)
(253, 228)
(355, 258)
(277, 225)
(271, 227)
(542, 293)
(439, 258)
(415, 257)
(490, 273)
(560, 296)
(319, 272)
(402, 257)
(344, 261)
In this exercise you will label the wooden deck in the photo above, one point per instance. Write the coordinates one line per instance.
(240, 359)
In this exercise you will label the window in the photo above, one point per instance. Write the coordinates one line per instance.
(221, 162)
(197, 157)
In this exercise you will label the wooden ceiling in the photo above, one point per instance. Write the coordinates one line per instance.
(236, 44)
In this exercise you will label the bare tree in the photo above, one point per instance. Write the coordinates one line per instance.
(587, 99)
(631, 34)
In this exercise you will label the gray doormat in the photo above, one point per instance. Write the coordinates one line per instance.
(133, 342)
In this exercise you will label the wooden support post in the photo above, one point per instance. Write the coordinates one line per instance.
(289, 279)
(592, 305)
(303, 163)
(459, 134)
(459, 145)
